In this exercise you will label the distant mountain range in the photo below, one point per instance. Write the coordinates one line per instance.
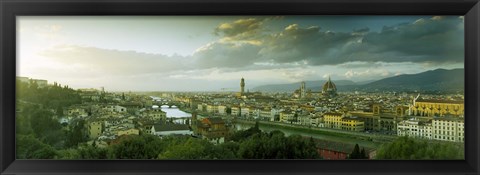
(434, 80)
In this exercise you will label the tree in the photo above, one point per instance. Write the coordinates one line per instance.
(29, 147)
(355, 153)
(47, 129)
(22, 123)
(228, 110)
(90, 152)
(241, 135)
(187, 148)
(76, 134)
(407, 148)
(256, 127)
(275, 145)
(68, 154)
(138, 147)
(363, 154)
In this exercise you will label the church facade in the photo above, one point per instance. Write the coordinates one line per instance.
(329, 90)
(432, 108)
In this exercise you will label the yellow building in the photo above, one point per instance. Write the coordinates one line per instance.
(352, 124)
(131, 131)
(95, 129)
(222, 109)
(235, 110)
(333, 120)
(432, 108)
(371, 121)
(340, 121)
(200, 107)
(212, 108)
(287, 116)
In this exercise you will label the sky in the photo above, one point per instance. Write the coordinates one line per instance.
(212, 53)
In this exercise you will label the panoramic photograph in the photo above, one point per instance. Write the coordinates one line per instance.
(240, 87)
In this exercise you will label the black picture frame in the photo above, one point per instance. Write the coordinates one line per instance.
(9, 9)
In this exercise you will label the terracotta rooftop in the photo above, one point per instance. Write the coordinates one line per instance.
(214, 120)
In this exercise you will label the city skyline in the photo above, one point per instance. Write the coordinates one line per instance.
(209, 53)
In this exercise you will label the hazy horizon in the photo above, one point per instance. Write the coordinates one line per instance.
(208, 53)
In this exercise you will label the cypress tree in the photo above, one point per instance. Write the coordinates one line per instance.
(355, 153)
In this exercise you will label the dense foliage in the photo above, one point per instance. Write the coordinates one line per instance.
(40, 136)
(275, 145)
(413, 148)
(39, 133)
(75, 134)
(357, 154)
(53, 97)
(262, 145)
(29, 147)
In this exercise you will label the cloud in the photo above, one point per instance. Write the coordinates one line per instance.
(309, 44)
(249, 44)
(244, 42)
(437, 40)
(229, 55)
(361, 31)
(48, 34)
(239, 29)
(359, 64)
(297, 75)
(115, 61)
(350, 74)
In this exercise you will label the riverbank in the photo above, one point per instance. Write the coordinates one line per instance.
(363, 139)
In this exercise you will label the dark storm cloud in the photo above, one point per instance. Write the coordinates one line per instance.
(304, 44)
(426, 40)
(436, 40)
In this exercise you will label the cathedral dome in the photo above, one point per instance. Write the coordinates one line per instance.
(329, 86)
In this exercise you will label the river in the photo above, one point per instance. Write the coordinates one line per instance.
(174, 112)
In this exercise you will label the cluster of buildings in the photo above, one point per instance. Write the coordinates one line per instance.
(213, 129)
(114, 115)
(109, 116)
(432, 117)
(107, 122)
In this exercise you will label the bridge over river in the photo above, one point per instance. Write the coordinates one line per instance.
(166, 102)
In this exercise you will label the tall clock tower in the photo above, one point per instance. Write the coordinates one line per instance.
(242, 86)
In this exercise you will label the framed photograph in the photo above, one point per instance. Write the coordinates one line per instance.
(240, 87)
